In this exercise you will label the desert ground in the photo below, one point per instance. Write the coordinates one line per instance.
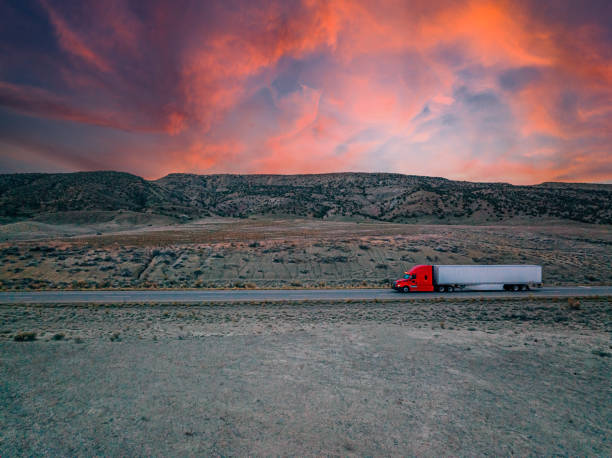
(135, 252)
(528, 376)
(405, 376)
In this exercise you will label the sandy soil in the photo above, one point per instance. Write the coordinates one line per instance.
(217, 252)
(437, 378)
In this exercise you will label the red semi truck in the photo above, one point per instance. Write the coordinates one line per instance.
(448, 278)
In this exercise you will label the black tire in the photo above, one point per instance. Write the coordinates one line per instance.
(516, 288)
(405, 289)
(450, 289)
(442, 289)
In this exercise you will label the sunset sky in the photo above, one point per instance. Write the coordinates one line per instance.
(517, 91)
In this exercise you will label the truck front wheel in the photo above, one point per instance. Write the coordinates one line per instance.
(405, 289)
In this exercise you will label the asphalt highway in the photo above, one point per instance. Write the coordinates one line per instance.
(191, 296)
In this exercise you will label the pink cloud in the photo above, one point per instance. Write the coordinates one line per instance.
(369, 85)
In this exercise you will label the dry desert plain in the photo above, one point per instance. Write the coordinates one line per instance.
(249, 253)
(527, 376)
(452, 376)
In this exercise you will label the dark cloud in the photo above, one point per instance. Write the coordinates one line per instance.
(289, 78)
(517, 78)
(570, 15)
(486, 101)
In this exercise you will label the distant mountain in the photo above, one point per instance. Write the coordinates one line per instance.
(378, 196)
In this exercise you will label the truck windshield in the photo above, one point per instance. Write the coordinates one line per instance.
(407, 277)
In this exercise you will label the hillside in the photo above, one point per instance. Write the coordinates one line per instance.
(376, 196)
(31, 194)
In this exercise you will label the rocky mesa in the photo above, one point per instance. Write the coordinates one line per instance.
(374, 196)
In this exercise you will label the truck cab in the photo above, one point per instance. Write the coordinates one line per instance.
(419, 278)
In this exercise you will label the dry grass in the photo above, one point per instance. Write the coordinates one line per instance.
(26, 336)
(297, 253)
(573, 303)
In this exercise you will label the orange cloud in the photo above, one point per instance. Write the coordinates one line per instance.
(478, 89)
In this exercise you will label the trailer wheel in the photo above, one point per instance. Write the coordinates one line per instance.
(450, 289)
(515, 288)
(405, 289)
(442, 289)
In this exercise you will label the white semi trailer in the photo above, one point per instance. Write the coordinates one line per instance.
(447, 278)
(510, 277)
